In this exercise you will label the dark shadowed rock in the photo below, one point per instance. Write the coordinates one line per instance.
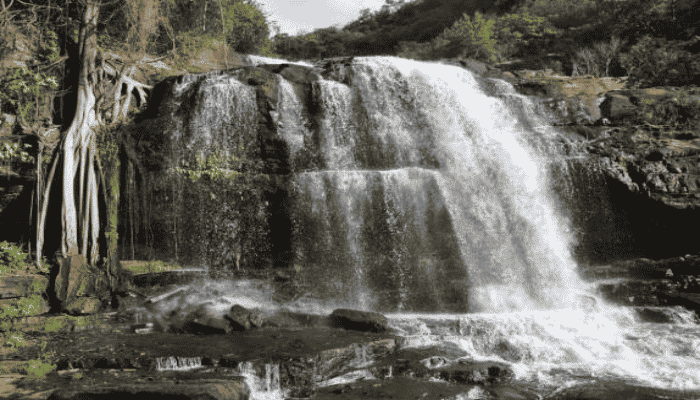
(655, 315)
(183, 390)
(476, 372)
(507, 351)
(617, 107)
(359, 320)
(288, 319)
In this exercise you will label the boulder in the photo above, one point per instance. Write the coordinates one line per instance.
(288, 319)
(617, 108)
(508, 351)
(359, 320)
(243, 319)
(488, 372)
(622, 105)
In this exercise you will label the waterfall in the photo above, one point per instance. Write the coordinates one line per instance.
(407, 144)
(416, 189)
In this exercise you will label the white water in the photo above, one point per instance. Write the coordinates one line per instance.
(494, 156)
(407, 143)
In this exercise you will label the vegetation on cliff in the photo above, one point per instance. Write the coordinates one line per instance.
(600, 38)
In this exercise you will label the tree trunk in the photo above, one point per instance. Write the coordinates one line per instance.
(79, 151)
(79, 157)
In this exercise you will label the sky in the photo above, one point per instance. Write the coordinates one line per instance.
(295, 16)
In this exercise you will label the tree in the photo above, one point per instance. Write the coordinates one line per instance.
(516, 30)
(77, 153)
(608, 51)
(240, 23)
(475, 36)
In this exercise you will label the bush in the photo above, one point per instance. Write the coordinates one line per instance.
(681, 112)
(513, 31)
(657, 62)
(24, 306)
(11, 257)
(474, 36)
(27, 93)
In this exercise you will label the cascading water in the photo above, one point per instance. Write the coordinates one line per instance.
(427, 178)
(436, 194)
(424, 192)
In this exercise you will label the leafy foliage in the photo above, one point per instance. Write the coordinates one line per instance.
(11, 257)
(240, 23)
(680, 112)
(515, 30)
(658, 62)
(23, 92)
(473, 35)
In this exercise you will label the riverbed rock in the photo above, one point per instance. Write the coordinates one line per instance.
(235, 389)
(288, 319)
(359, 320)
(243, 319)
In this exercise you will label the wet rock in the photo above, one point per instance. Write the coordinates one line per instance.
(196, 319)
(200, 390)
(507, 351)
(476, 372)
(243, 319)
(288, 319)
(619, 390)
(208, 324)
(335, 361)
(238, 316)
(295, 73)
(359, 320)
(655, 315)
(447, 350)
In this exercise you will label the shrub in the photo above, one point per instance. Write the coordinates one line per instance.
(514, 31)
(38, 369)
(11, 257)
(657, 62)
(474, 36)
(681, 112)
(24, 306)
(14, 340)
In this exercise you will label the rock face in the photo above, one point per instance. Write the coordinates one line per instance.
(359, 320)
(632, 190)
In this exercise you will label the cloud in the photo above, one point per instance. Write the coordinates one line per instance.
(295, 16)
